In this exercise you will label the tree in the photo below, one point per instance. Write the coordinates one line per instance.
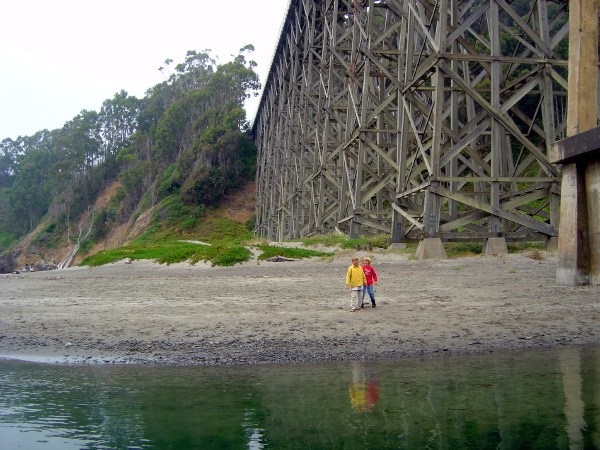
(191, 123)
(118, 120)
(8, 163)
(30, 194)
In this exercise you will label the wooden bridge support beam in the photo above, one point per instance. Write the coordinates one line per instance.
(579, 237)
(413, 118)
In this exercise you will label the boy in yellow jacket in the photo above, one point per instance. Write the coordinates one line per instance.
(355, 280)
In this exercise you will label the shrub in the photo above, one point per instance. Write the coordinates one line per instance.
(458, 249)
(231, 256)
(7, 240)
(268, 251)
(189, 223)
(86, 246)
(251, 223)
(170, 210)
(380, 241)
(169, 183)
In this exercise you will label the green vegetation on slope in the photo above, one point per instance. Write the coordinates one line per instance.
(186, 142)
(228, 244)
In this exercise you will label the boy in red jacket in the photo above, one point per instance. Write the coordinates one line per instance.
(371, 277)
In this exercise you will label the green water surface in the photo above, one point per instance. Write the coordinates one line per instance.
(526, 400)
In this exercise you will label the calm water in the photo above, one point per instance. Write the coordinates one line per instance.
(531, 400)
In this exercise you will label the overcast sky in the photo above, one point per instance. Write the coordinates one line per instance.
(58, 57)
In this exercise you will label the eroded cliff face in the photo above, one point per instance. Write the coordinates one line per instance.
(36, 250)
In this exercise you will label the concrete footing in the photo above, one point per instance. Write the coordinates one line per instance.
(495, 246)
(397, 246)
(431, 248)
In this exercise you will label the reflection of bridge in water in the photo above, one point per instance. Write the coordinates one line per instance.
(414, 119)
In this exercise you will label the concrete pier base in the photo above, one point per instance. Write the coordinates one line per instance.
(431, 248)
(397, 246)
(495, 246)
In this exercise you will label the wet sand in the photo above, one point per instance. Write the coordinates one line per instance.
(281, 312)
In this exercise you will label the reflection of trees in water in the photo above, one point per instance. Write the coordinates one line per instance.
(527, 400)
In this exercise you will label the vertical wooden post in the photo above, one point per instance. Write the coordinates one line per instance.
(497, 130)
(574, 235)
(592, 189)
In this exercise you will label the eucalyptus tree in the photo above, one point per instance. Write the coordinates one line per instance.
(79, 143)
(31, 192)
(8, 171)
(212, 157)
(194, 73)
(8, 162)
(118, 120)
(191, 123)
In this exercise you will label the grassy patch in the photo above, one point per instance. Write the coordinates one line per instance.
(165, 246)
(344, 242)
(169, 252)
(520, 247)
(225, 230)
(164, 252)
(7, 241)
(328, 240)
(268, 251)
(231, 256)
(462, 249)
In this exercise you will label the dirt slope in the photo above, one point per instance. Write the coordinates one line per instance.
(239, 206)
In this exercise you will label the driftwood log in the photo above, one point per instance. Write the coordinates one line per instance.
(280, 259)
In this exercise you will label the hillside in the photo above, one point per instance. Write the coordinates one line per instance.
(157, 168)
(238, 207)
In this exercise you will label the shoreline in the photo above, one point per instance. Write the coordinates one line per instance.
(291, 312)
(123, 357)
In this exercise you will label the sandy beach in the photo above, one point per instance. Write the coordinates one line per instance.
(281, 312)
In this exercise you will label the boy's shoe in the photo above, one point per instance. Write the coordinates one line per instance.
(373, 305)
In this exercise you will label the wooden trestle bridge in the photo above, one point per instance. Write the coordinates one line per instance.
(413, 118)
